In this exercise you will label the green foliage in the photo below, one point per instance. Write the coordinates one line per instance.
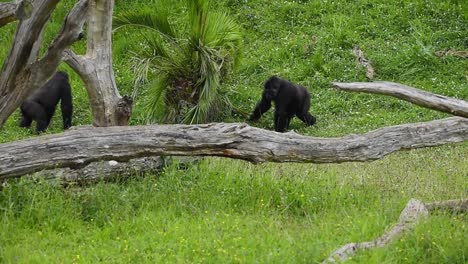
(185, 67)
(226, 211)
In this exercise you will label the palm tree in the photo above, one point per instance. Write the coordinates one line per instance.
(183, 69)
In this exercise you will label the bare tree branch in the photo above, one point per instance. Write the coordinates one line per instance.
(7, 13)
(23, 72)
(75, 61)
(364, 62)
(416, 96)
(71, 31)
(450, 205)
(409, 217)
(81, 146)
(451, 52)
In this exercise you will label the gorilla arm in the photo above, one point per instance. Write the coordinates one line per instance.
(262, 106)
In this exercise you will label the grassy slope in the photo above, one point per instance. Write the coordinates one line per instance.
(231, 211)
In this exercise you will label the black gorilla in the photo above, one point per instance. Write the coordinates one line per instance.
(40, 106)
(290, 99)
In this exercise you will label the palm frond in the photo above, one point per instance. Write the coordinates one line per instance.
(222, 31)
(209, 82)
(152, 19)
(154, 104)
(197, 15)
(141, 66)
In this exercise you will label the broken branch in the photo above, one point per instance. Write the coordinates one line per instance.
(416, 96)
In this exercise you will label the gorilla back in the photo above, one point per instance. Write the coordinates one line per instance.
(40, 106)
(290, 99)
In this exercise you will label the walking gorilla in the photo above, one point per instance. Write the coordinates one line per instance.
(40, 106)
(290, 99)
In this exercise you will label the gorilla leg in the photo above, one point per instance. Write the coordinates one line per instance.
(281, 121)
(304, 114)
(26, 120)
(67, 107)
(34, 111)
(307, 118)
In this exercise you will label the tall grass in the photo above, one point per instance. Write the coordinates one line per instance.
(233, 211)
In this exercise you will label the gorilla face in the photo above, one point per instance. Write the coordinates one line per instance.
(270, 93)
(271, 88)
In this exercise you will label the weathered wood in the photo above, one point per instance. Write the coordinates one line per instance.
(78, 147)
(23, 71)
(95, 68)
(104, 170)
(454, 206)
(416, 96)
(409, 217)
(7, 13)
(451, 52)
(364, 62)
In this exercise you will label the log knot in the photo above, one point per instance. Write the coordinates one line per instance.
(124, 110)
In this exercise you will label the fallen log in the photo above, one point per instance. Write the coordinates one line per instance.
(78, 147)
(409, 217)
(416, 96)
(104, 170)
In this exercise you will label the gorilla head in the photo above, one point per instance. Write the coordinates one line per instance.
(290, 99)
(271, 88)
(40, 106)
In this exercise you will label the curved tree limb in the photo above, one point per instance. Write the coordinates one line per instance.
(71, 31)
(23, 71)
(449, 205)
(409, 217)
(7, 13)
(416, 96)
(81, 146)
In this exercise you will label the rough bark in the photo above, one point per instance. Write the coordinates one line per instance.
(81, 146)
(409, 217)
(23, 70)
(454, 206)
(451, 52)
(104, 170)
(95, 68)
(416, 96)
(7, 13)
(364, 62)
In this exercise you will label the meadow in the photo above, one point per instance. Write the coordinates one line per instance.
(227, 211)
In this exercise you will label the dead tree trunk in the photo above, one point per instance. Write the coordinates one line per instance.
(95, 68)
(419, 97)
(23, 70)
(81, 146)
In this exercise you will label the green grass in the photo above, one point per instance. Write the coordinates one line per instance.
(225, 211)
